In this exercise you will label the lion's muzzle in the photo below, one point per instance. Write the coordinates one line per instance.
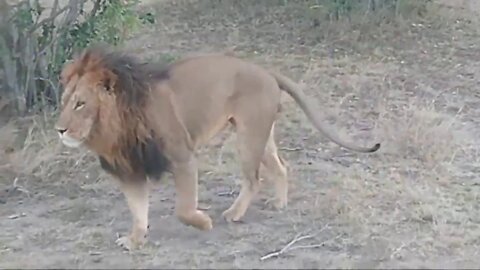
(66, 139)
(61, 131)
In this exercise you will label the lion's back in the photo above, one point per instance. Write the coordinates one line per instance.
(214, 69)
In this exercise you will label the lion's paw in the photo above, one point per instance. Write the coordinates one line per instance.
(127, 243)
(206, 224)
(232, 215)
(197, 219)
(276, 203)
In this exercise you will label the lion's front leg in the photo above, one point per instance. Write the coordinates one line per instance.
(186, 187)
(136, 193)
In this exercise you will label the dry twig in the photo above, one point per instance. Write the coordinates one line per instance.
(19, 188)
(291, 149)
(227, 193)
(290, 246)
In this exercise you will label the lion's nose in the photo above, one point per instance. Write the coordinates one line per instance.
(61, 130)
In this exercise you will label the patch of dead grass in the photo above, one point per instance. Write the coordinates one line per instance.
(406, 194)
(35, 151)
(408, 201)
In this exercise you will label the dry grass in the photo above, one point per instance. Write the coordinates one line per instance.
(413, 204)
(406, 201)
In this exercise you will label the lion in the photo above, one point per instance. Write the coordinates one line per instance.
(143, 119)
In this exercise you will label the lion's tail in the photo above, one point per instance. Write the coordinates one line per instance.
(313, 111)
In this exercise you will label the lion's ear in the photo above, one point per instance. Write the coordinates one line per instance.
(85, 57)
(78, 64)
(109, 80)
(90, 59)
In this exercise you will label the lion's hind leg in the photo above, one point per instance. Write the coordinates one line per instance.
(276, 172)
(251, 140)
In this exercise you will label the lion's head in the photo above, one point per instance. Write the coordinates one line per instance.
(84, 93)
(103, 105)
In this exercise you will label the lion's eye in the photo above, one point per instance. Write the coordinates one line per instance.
(79, 105)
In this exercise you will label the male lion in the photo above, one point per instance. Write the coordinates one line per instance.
(142, 120)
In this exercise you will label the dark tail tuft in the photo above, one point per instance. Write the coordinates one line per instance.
(374, 148)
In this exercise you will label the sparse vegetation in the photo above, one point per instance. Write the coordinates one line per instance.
(375, 9)
(396, 70)
(36, 39)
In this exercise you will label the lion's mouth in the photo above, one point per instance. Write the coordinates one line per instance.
(70, 142)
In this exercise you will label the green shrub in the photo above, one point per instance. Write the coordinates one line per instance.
(35, 43)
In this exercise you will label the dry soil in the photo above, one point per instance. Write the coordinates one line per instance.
(411, 84)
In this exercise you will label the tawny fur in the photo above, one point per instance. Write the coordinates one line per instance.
(143, 119)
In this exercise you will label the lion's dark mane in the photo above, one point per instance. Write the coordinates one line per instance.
(139, 151)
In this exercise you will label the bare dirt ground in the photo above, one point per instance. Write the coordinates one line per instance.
(414, 204)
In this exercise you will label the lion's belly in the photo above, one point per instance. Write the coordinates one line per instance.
(205, 91)
(205, 133)
(204, 125)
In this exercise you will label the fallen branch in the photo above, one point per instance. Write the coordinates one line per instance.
(227, 193)
(285, 248)
(291, 149)
(290, 246)
(315, 245)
